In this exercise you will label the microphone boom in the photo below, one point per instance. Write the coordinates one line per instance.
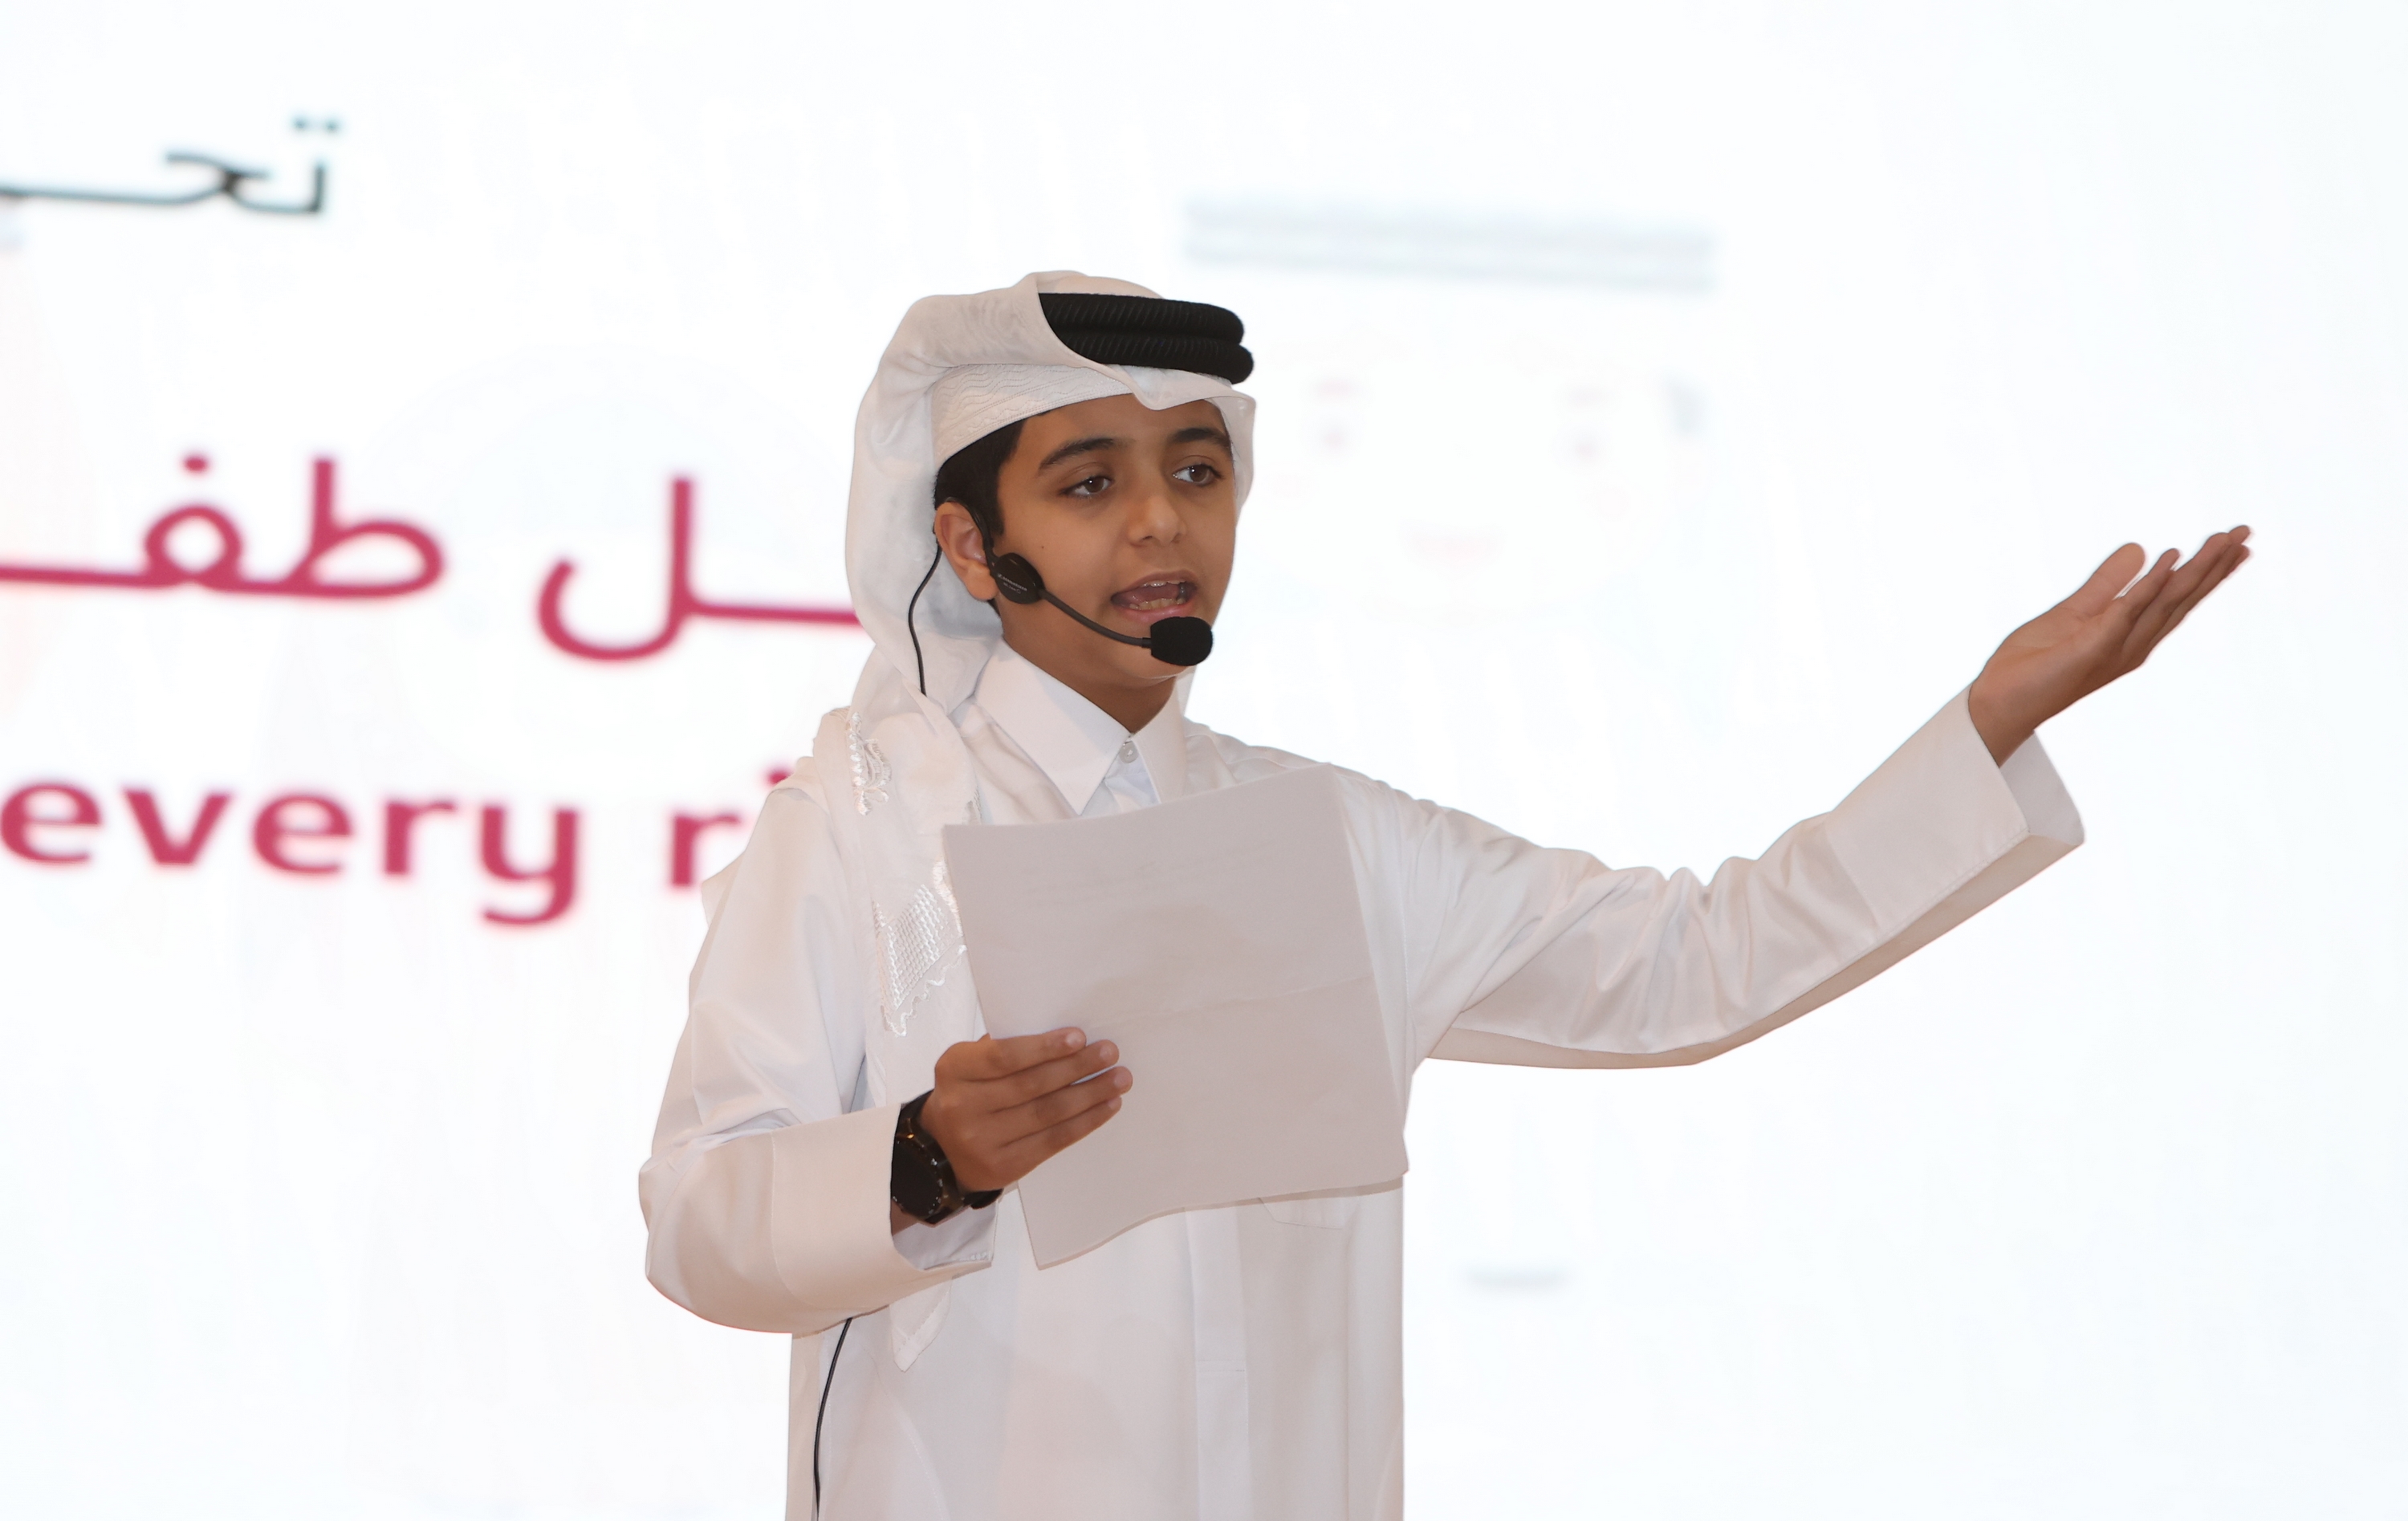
(1175, 641)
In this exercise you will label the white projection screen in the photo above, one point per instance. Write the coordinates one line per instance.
(1664, 408)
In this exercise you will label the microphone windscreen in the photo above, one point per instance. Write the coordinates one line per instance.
(1180, 642)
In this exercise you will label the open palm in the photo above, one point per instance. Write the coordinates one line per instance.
(2093, 636)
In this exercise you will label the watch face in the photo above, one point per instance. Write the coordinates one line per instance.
(918, 1177)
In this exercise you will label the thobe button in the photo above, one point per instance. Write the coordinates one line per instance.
(1128, 752)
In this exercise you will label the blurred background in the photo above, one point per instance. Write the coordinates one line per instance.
(1664, 410)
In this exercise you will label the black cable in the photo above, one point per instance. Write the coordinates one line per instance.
(1108, 633)
(831, 1372)
(908, 612)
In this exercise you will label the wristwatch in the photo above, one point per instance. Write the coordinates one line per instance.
(921, 1181)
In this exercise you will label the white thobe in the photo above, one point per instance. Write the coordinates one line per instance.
(1243, 1361)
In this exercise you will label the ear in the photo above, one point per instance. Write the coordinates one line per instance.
(958, 536)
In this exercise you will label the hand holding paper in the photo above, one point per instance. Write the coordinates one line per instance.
(1002, 1106)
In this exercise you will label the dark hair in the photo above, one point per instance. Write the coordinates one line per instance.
(973, 477)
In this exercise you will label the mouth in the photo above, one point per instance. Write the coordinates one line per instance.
(1158, 597)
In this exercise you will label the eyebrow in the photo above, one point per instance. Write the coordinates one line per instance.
(1099, 443)
(1082, 446)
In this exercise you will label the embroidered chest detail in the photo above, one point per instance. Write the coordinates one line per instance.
(870, 772)
(916, 948)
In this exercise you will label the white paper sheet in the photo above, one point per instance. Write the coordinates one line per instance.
(1218, 941)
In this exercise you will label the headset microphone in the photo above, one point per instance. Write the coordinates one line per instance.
(1175, 641)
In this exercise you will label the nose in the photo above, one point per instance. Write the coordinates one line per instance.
(1154, 514)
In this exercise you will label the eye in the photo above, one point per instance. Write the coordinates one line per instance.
(1095, 485)
(1197, 474)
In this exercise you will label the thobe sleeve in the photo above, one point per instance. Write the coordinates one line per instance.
(1551, 958)
(765, 1197)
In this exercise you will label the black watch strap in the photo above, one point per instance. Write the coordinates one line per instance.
(920, 1180)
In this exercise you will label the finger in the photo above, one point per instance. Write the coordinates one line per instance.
(2212, 564)
(2197, 597)
(2215, 552)
(2104, 641)
(989, 1058)
(1027, 1153)
(1053, 1108)
(2113, 574)
(2143, 594)
(1034, 1083)
(978, 1139)
(2230, 559)
(2170, 589)
(2205, 568)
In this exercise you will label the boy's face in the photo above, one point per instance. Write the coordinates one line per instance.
(1131, 516)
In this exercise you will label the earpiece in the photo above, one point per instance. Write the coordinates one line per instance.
(1015, 578)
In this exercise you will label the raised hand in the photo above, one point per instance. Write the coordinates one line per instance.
(1001, 1107)
(2093, 636)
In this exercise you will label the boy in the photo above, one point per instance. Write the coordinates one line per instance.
(839, 1138)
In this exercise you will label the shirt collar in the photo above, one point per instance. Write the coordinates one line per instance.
(1073, 741)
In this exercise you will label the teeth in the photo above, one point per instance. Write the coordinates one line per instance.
(1154, 595)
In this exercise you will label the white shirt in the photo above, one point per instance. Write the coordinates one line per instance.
(1243, 1361)
(1096, 766)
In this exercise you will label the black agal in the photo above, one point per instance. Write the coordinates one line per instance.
(1149, 331)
